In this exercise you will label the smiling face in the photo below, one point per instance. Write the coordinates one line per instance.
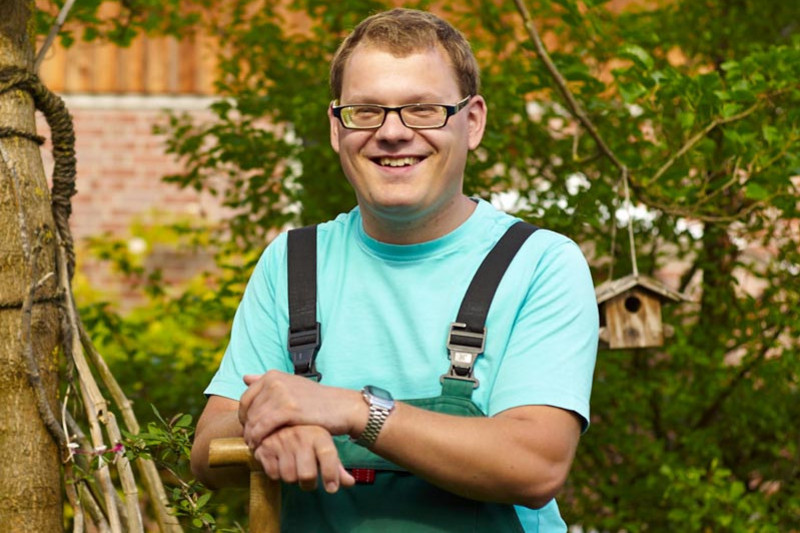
(408, 182)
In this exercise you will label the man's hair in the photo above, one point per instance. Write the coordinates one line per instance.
(402, 32)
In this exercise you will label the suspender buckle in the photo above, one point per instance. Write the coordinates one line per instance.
(464, 346)
(303, 346)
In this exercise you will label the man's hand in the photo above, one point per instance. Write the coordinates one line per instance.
(301, 454)
(275, 400)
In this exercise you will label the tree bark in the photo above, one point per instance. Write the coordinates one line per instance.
(30, 468)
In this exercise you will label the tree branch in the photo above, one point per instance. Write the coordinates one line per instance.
(577, 111)
(699, 136)
(51, 36)
(561, 83)
(713, 408)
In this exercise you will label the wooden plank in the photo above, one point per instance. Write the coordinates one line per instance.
(187, 65)
(134, 66)
(53, 69)
(78, 72)
(104, 73)
(172, 60)
(155, 68)
(207, 63)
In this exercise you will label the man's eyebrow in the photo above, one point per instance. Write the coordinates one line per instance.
(421, 98)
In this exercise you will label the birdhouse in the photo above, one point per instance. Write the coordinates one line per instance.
(630, 311)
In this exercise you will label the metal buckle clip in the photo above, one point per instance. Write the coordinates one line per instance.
(302, 346)
(464, 347)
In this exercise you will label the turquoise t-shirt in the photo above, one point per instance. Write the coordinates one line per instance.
(385, 312)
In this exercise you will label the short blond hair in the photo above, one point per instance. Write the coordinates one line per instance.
(405, 31)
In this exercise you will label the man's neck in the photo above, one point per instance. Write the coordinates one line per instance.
(418, 229)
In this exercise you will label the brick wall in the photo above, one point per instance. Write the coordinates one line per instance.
(120, 165)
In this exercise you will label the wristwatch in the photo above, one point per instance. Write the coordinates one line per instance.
(380, 403)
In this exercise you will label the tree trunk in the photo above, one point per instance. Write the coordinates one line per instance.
(30, 476)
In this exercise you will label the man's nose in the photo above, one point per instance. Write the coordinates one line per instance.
(393, 128)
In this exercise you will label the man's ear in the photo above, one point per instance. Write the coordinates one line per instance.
(334, 122)
(476, 117)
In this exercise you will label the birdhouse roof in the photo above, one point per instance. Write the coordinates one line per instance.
(612, 288)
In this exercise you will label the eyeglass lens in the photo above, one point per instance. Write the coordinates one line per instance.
(413, 116)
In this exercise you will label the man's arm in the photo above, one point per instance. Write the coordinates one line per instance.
(520, 456)
(219, 420)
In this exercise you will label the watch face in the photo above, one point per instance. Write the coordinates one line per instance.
(378, 392)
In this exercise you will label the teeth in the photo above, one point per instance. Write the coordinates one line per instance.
(398, 162)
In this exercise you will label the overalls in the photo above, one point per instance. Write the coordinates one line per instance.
(395, 500)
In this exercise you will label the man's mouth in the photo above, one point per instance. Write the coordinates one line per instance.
(398, 161)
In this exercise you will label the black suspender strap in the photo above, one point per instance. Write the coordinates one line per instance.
(467, 336)
(304, 336)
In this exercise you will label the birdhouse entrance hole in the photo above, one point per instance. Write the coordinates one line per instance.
(633, 304)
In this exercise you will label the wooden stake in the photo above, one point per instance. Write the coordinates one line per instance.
(265, 494)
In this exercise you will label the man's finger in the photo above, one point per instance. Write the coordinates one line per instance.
(306, 464)
(330, 467)
(269, 462)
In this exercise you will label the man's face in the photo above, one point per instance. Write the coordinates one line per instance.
(405, 177)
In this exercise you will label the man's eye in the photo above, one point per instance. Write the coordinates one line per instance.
(423, 111)
(366, 111)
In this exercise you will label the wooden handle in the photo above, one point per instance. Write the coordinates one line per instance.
(265, 494)
(231, 452)
(265, 504)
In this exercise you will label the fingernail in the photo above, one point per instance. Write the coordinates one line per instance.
(331, 487)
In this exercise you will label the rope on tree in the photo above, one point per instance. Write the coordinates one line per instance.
(63, 138)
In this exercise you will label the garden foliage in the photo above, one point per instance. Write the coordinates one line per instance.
(699, 100)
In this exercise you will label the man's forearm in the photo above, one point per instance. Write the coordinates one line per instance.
(217, 421)
(521, 456)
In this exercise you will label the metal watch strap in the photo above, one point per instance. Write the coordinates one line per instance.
(377, 417)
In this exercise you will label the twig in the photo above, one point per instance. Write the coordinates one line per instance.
(95, 511)
(613, 219)
(714, 407)
(720, 219)
(95, 405)
(629, 208)
(168, 522)
(78, 519)
(126, 477)
(51, 36)
(699, 136)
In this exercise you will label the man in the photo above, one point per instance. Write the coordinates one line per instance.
(391, 276)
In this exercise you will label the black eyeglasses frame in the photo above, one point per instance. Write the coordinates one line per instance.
(450, 110)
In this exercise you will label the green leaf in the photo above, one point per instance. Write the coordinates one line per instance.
(730, 109)
(203, 500)
(754, 191)
(771, 134)
(184, 421)
(638, 55)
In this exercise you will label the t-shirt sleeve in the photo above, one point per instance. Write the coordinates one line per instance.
(552, 350)
(256, 344)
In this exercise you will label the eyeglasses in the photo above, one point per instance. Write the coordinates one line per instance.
(415, 116)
